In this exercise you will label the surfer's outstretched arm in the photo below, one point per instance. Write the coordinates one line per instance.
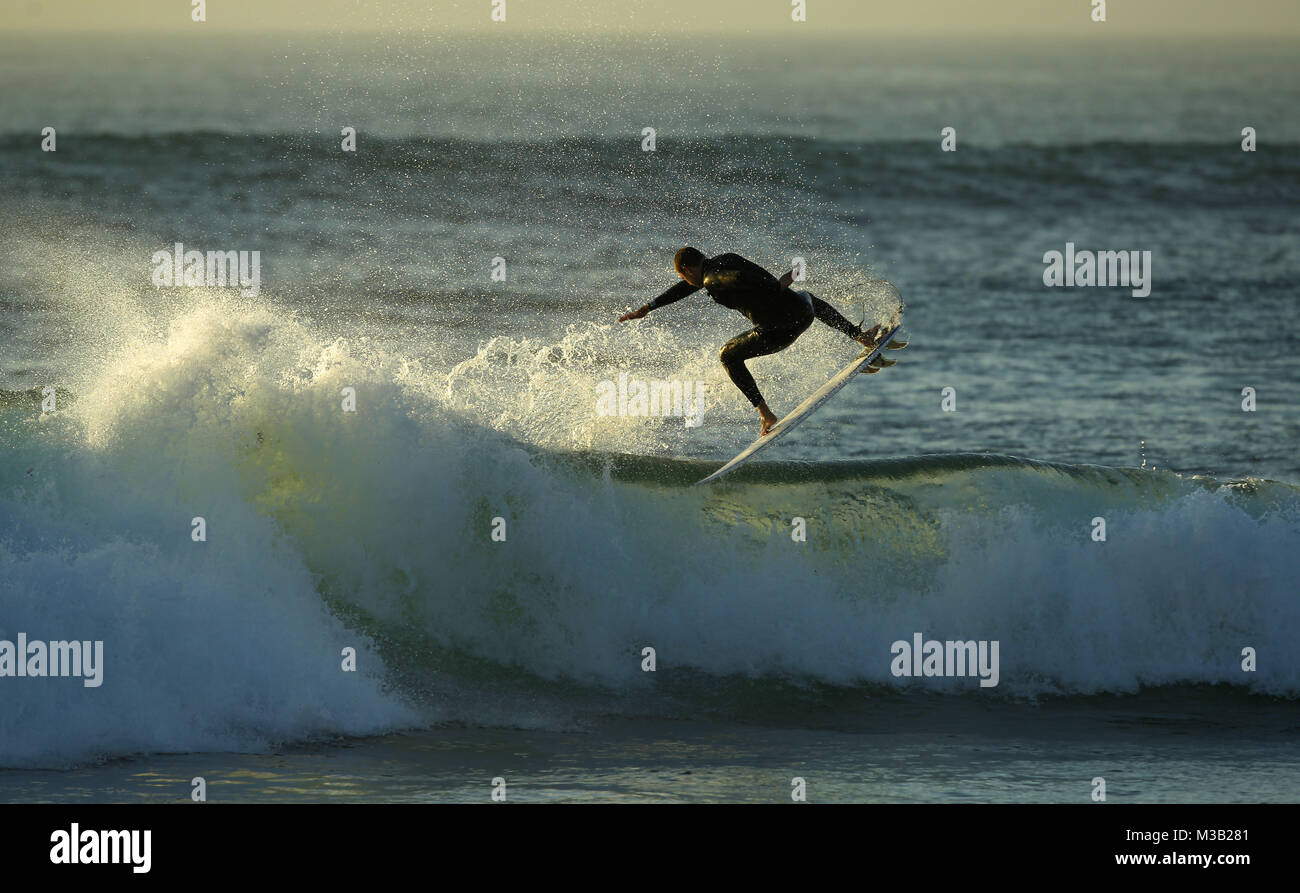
(826, 313)
(832, 317)
(676, 293)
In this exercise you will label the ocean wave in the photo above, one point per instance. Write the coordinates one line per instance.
(374, 529)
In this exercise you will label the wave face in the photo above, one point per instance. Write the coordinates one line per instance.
(372, 529)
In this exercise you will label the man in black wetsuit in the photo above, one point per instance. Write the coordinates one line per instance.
(779, 314)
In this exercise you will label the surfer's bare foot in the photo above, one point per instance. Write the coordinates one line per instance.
(769, 420)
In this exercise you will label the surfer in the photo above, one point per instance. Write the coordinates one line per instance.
(779, 314)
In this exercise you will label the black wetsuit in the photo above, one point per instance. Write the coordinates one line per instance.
(779, 315)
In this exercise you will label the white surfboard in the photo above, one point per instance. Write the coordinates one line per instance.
(804, 409)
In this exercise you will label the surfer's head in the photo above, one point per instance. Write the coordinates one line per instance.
(690, 265)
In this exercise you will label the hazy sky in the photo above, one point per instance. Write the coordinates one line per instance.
(1223, 17)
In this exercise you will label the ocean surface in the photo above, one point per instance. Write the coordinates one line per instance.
(477, 399)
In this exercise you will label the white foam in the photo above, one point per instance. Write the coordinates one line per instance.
(333, 526)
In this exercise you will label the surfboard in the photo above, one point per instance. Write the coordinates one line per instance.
(804, 409)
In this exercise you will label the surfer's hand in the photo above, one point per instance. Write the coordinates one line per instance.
(870, 336)
(787, 279)
(634, 314)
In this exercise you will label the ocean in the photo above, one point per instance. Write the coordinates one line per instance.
(395, 443)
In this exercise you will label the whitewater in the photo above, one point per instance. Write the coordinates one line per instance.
(371, 530)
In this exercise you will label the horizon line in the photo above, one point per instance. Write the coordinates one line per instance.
(1081, 32)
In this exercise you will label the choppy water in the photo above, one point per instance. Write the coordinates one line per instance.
(476, 399)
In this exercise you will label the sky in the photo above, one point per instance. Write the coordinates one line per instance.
(1226, 18)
